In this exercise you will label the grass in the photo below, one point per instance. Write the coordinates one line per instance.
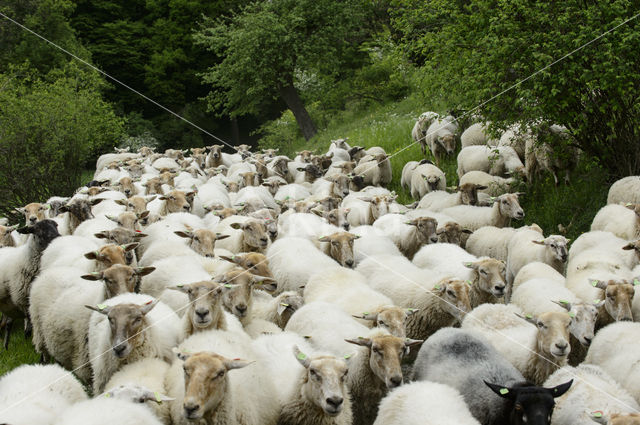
(20, 351)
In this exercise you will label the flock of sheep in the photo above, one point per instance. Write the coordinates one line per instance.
(255, 289)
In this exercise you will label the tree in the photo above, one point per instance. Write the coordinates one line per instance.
(268, 44)
(471, 51)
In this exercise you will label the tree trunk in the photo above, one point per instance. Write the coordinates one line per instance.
(235, 131)
(293, 101)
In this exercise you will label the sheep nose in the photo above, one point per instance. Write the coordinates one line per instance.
(499, 288)
(242, 308)
(520, 214)
(335, 402)
(626, 319)
(186, 207)
(564, 257)
(561, 346)
(127, 192)
(119, 349)
(202, 313)
(345, 192)
(189, 409)
(33, 219)
(395, 381)
(349, 263)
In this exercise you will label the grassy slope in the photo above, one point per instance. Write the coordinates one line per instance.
(20, 351)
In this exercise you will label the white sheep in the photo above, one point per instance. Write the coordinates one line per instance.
(536, 351)
(593, 390)
(376, 172)
(499, 161)
(424, 403)
(625, 191)
(372, 241)
(407, 172)
(552, 152)
(127, 328)
(438, 200)
(426, 178)
(491, 241)
(246, 234)
(439, 301)
(495, 185)
(537, 270)
(516, 137)
(505, 207)
(408, 234)
(622, 221)
(419, 130)
(69, 251)
(475, 134)
(625, 251)
(277, 310)
(441, 138)
(107, 411)
(37, 394)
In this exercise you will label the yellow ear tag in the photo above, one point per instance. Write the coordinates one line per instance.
(102, 306)
(504, 391)
(158, 398)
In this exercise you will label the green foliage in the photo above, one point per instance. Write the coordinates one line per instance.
(50, 132)
(472, 51)
(20, 350)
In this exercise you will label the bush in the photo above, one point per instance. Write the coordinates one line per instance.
(49, 132)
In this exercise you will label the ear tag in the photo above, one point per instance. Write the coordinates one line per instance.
(138, 231)
(597, 414)
(572, 315)
(469, 282)
(107, 395)
(101, 306)
(301, 356)
(504, 391)
(596, 301)
(468, 264)
(228, 285)
(180, 285)
(437, 287)
(347, 356)
(594, 283)
(528, 316)
(563, 302)
(412, 309)
(365, 313)
(284, 304)
(148, 302)
(636, 282)
(158, 398)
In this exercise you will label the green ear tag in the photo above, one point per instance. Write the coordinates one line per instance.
(572, 315)
(636, 282)
(504, 391)
(102, 306)
(158, 398)
(468, 264)
(228, 285)
(597, 414)
(563, 302)
(180, 285)
(284, 304)
(469, 282)
(412, 309)
(365, 313)
(437, 287)
(347, 356)
(301, 356)
(594, 283)
(107, 395)
(596, 301)
(528, 316)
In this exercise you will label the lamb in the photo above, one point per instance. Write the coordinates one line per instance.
(143, 382)
(492, 388)
(537, 353)
(593, 391)
(439, 301)
(439, 199)
(499, 161)
(475, 134)
(209, 384)
(128, 328)
(374, 369)
(78, 210)
(495, 185)
(492, 241)
(505, 207)
(622, 221)
(291, 275)
(408, 235)
(538, 295)
(107, 411)
(441, 138)
(614, 349)
(527, 246)
(376, 172)
(486, 276)
(37, 394)
(625, 191)
(426, 178)
(321, 396)
(277, 310)
(424, 403)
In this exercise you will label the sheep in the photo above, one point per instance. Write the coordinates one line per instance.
(426, 178)
(539, 295)
(376, 172)
(492, 241)
(499, 161)
(214, 158)
(375, 367)
(127, 328)
(60, 320)
(475, 134)
(125, 184)
(79, 210)
(540, 156)
(142, 382)
(419, 131)
(614, 349)
(408, 235)
(204, 391)
(424, 403)
(237, 292)
(439, 301)
(606, 241)
(33, 212)
(505, 207)
(174, 201)
(441, 138)
(494, 390)
(246, 234)
(486, 276)
(439, 199)
(625, 191)
(331, 186)
(337, 216)
(622, 221)
(371, 242)
(277, 310)
(537, 270)
(407, 172)
(526, 246)
(37, 394)
(254, 262)
(107, 411)
(339, 246)
(320, 396)
(495, 185)
(255, 198)
(6, 237)
(536, 353)
(593, 391)
(516, 137)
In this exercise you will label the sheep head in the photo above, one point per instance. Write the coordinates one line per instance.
(469, 193)
(390, 318)
(454, 295)
(33, 212)
(489, 275)
(341, 247)
(452, 232)
(43, 231)
(110, 254)
(119, 278)
(553, 333)
(618, 296)
(237, 290)
(509, 206)
(205, 302)
(254, 233)
(426, 229)
(202, 241)
(557, 245)
(254, 262)
(178, 201)
(583, 319)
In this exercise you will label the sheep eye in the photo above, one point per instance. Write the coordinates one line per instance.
(376, 350)
(451, 293)
(250, 265)
(197, 239)
(381, 323)
(220, 374)
(141, 400)
(483, 272)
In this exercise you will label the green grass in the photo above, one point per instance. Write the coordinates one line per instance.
(20, 351)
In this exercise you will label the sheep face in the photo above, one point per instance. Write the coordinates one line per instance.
(311, 172)
(249, 179)
(43, 231)
(202, 241)
(206, 382)
(583, 319)
(5, 235)
(356, 153)
(81, 208)
(305, 156)
(324, 381)
(385, 355)
(433, 181)
(128, 220)
(205, 300)
(145, 151)
(127, 187)
(126, 322)
(136, 204)
(110, 254)
(178, 201)
(391, 318)
(254, 233)
(337, 217)
(224, 212)
(340, 185)
(489, 275)
(329, 203)
(273, 185)
(426, 229)
(254, 262)
(288, 303)
(33, 212)
(469, 193)
(120, 235)
(55, 205)
(509, 206)
(618, 296)
(215, 152)
(448, 143)
(238, 289)
(347, 167)
(119, 278)
(153, 186)
(454, 295)
(378, 206)
(557, 245)
(452, 232)
(200, 160)
(341, 247)
(553, 334)
(136, 170)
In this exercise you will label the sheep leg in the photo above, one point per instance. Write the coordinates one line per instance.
(555, 177)
(45, 358)
(28, 328)
(8, 325)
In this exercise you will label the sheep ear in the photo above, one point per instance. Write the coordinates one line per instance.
(24, 230)
(100, 308)
(143, 271)
(121, 202)
(140, 235)
(93, 255)
(146, 308)
(560, 389)
(364, 342)
(183, 234)
(538, 242)
(234, 259)
(267, 283)
(367, 316)
(302, 358)
(151, 198)
(96, 201)
(219, 236)
(317, 212)
(598, 304)
(598, 417)
(143, 214)
(179, 287)
(156, 396)
(411, 311)
(101, 235)
(467, 231)
(529, 318)
(131, 246)
(20, 210)
(411, 342)
(564, 304)
(501, 391)
(628, 246)
(112, 218)
(481, 187)
(600, 284)
(92, 276)
(236, 364)
(324, 239)
(282, 307)
(470, 265)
